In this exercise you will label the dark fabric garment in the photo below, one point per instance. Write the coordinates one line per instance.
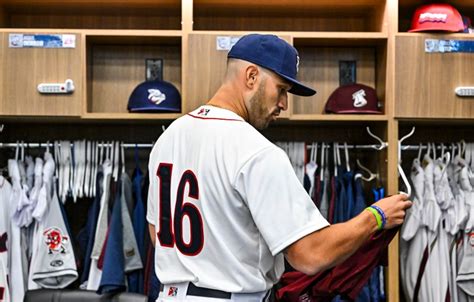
(317, 189)
(152, 284)
(346, 279)
(332, 200)
(91, 225)
(348, 177)
(359, 198)
(136, 278)
(113, 272)
(341, 206)
(306, 183)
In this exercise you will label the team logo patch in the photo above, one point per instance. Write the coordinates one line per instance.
(471, 239)
(359, 98)
(55, 240)
(156, 96)
(203, 111)
(57, 263)
(3, 242)
(172, 291)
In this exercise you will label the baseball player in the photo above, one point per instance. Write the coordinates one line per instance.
(224, 204)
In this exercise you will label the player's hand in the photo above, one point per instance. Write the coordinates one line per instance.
(394, 208)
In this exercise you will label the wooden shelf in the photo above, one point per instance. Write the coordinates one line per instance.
(80, 14)
(340, 117)
(288, 15)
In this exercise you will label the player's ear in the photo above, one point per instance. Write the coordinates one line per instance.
(251, 76)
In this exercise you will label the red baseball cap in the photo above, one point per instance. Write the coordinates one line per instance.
(353, 98)
(438, 17)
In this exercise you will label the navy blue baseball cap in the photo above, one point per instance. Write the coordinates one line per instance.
(273, 53)
(152, 96)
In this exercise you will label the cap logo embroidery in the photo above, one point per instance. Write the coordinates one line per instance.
(156, 96)
(297, 63)
(431, 17)
(359, 98)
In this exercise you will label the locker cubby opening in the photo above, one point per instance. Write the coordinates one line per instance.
(117, 64)
(319, 68)
(42, 130)
(434, 131)
(85, 14)
(408, 7)
(290, 15)
(352, 132)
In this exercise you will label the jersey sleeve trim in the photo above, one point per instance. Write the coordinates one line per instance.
(315, 225)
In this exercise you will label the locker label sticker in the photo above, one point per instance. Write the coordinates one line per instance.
(226, 43)
(41, 41)
(445, 46)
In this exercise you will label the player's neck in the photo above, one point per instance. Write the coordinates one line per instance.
(227, 98)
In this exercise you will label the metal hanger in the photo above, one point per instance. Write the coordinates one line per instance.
(399, 166)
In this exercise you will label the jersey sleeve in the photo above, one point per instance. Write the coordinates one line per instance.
(280, 207)
(152, 199)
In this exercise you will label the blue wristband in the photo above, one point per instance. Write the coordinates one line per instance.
(381, 212)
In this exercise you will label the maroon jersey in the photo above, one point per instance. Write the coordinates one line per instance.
(346, 279)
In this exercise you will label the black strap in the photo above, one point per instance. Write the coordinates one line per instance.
(193, 290)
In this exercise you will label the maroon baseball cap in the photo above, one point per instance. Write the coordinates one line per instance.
(353, 98)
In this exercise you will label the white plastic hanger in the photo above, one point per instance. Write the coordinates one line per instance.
(116, 149)
(400, 169)
(122, 151)
(95, 159)
(346, 153)
(87, 168)
(312, 166)
(420, 148)
(334, 155)
(323, 161)
(371, 177)
(382, 144)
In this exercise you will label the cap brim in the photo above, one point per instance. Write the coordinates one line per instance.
(355, 111)
(298, 88)
(148, 109)
(451, 30)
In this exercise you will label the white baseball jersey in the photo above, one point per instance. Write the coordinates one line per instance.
(225, 202)
(5, 235)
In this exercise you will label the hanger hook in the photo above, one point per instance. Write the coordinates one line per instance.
(371, 174)
(400, 144)
(408, 135)
(382, 143)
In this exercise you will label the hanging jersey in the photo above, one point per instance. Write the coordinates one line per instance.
(225, 203)
(5, 192)
(55, 265)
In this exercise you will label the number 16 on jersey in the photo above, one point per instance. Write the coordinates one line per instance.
(170, 232)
